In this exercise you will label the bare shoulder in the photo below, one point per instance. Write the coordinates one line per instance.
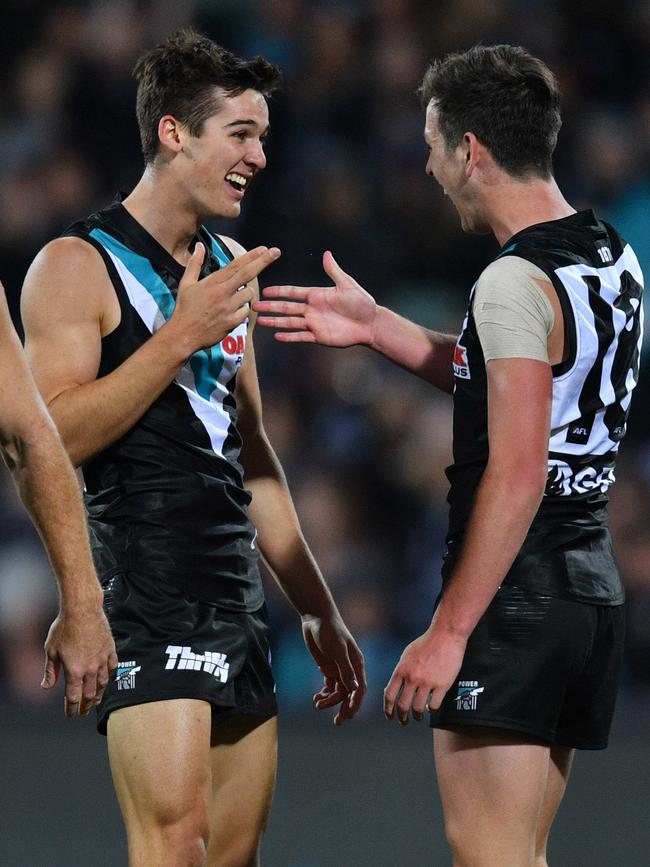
(68, 275)
(234, 246)
(238, 250)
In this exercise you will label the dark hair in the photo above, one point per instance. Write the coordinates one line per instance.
(179, 77)
(509, 99)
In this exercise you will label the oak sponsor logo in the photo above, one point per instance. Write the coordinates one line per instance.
(564, 481)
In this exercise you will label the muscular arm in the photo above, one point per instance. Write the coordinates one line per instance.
(506, 502)
(345, 314)
(285, 551)
(80, 639)
(68, 305)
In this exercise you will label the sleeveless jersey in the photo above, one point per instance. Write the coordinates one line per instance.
(599, 284)
(168, 497)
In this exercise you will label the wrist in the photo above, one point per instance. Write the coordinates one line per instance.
(178, 345)
(326, 610)
(81, 601)
(381, 320)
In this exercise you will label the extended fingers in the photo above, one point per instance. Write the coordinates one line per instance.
(246, 267)
(298, 293)
(73, 692)
(286, 308)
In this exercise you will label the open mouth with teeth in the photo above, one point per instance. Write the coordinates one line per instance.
(237, 182)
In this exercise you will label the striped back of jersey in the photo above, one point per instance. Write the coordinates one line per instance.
(168, 497)
(599, 285)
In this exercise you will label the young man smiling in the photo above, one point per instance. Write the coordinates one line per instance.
(139, 331)
(520, 663)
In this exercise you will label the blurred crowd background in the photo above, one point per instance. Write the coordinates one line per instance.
(363, 444)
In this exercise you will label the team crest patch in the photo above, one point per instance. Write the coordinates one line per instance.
(125, 674)
(468, 693)
(461, 365)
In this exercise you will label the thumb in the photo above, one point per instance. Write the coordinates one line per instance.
(193, 269)
(333, 269)
(51, 674)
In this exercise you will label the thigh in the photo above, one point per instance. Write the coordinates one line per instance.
(160, 761)
(492, 786)
(243, 764)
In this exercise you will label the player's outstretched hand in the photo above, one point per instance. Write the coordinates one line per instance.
(341, 662)
(81, 643)
(424, 674)
(338, 315)
(209, 308)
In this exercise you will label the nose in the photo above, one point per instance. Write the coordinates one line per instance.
(256, 156)
(428, 168)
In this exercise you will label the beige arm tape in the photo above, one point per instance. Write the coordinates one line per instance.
(513, 314)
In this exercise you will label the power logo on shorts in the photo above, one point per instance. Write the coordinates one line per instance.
(125, 674)
(183, 658)
(468, 693)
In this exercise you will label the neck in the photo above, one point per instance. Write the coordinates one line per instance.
(514, 205)
(158, 206)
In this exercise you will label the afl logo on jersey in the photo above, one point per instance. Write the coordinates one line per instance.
(461, 366)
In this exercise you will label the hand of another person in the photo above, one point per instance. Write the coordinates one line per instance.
(428, 667)
(341, 662)
(339, 315)
(81, 643)
(208, 309)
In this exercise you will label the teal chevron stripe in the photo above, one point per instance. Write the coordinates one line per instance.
(206, 364)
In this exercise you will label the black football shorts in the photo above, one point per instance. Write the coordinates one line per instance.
(542, 666)
(171, 645)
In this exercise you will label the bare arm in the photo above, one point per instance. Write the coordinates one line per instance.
(285, 551)
(79, 639)
(69, 304)
(345, 315)
(506, 502)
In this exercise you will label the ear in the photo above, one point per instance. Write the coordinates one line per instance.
(170, 133)
(472, 152)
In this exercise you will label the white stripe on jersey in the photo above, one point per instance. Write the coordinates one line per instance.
(212, 414)
(568, 387)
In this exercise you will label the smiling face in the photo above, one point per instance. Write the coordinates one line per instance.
(454, 171)
(216, 168)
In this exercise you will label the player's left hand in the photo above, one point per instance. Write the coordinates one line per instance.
(81, 643)
(341, 662)
(424, 674)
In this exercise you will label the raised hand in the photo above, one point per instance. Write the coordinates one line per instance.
(210, 308)
(341, 662)
(338, 315)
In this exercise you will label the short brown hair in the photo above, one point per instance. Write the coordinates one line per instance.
(509, 99)
(179, 76)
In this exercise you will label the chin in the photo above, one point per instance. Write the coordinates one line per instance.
(473, 226)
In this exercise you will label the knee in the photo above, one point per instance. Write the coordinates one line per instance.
(189, 844)
(182, 836)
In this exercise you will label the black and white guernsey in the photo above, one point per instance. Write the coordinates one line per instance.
(599, 284)
(168, 498)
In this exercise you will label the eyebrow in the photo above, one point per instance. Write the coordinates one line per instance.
(247, 123)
